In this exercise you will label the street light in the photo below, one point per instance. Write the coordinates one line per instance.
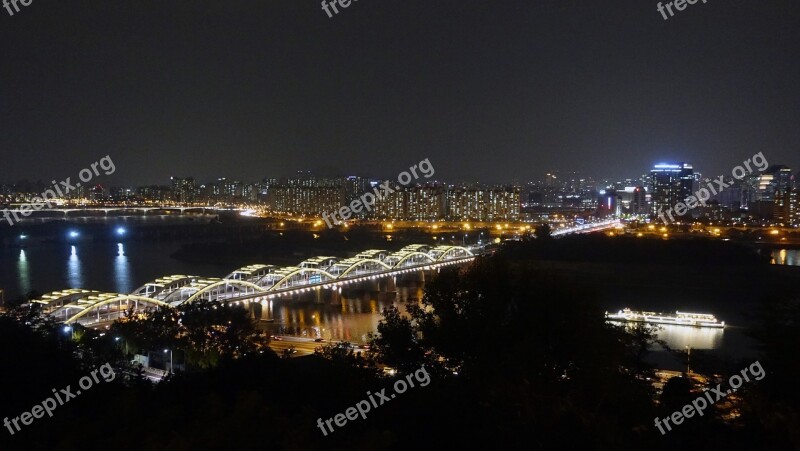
(170, 358)
(121, 231)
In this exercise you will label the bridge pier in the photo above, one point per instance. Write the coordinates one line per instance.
(388, 284)
(372, 285)
(319, 295)
(255, 310)
(336, 296)
(416, 276)
(268, 311)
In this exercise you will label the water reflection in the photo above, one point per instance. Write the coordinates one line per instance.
(349, 316)
(24, 272)
(122, 272)
(679, 337)
(786, 257)
(74, 275)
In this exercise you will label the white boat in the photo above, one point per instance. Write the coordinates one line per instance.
(676, 319)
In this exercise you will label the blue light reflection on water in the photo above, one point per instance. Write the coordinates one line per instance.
(74, 274)
(24, 272)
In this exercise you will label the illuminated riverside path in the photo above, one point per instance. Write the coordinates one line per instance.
(250, 284)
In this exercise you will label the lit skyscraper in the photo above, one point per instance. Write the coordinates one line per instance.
(671, 183)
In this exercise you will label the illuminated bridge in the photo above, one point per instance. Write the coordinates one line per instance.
(253, 283)
(589, 227)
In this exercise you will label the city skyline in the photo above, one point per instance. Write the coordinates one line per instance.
(545, 178)
(209, 90)
(514, 224)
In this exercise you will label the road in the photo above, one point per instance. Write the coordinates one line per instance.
(302, 346)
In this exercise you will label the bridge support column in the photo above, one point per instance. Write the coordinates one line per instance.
(335, 295)
(389, 284)
(266, 310)
(255, 309)
(372, 285)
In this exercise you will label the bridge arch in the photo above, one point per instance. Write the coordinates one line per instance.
(115, 299)
(411, 255)
(355, 265)
(452, 250)
(162, 286)
(225, 282)
(297, 271)
(54, 301)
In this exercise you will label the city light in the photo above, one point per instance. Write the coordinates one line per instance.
(238, 144)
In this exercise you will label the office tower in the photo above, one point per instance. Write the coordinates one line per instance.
(671, 183)
(639, 201)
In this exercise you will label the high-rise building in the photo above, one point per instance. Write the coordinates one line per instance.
(794, 201)
(392, 205)
(355, 187)
(609, 203)
(120, 193)
(434, 202)
(782, 212)
(183, 189)
(425, 203)
(97, 193)
(483, 204)
(638, 204)
(734, 197)
(671, 183)
(774, 178)
(305, 200)
(413, 203)
(155, 193)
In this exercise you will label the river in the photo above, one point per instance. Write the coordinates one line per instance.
(123, 267)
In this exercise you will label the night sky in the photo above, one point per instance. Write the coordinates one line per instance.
(492, 91)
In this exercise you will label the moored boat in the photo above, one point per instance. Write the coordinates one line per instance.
(676, 319)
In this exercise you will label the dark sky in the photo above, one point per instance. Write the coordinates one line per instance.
(488, 90)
